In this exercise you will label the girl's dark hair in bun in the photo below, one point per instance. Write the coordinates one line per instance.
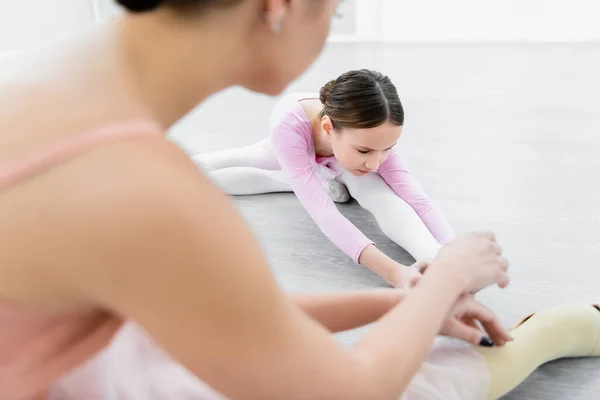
(325, 90)
(361, 99)
(140, 5)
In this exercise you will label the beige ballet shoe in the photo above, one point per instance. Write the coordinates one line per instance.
(578, 308)
(568, 331)
(596, 349)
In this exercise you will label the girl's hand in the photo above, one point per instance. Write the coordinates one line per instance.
(405, 277)
(476, 259)
(474, 323)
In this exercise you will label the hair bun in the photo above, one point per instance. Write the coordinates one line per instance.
(140, 5)
(325, 91)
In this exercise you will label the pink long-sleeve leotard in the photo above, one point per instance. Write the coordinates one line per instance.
(293, 143)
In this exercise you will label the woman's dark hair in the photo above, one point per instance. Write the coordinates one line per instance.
(138, 6)
(361, 99)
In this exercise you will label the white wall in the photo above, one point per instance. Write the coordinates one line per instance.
(363, 16)
(25, 22)
(491, 21)
(345, 26)
(106, 8)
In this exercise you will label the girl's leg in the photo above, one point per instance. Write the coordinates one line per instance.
(254, 169)
(558, 332)
(258, 155)
(240, 181)
(245, 170)
(396, 218)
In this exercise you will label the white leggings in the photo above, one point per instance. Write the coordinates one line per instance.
(254, 169)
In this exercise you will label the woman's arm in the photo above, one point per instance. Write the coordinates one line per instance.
(339, 312)
(397, 176)
(167, 249)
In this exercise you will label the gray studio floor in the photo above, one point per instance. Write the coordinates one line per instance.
(503, 137)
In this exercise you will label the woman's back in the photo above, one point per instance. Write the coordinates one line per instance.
(50, 127)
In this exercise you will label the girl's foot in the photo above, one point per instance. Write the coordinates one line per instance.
(336, 190)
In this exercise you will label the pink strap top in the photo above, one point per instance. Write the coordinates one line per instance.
(36, 348)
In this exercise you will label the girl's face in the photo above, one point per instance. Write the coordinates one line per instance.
(361, 151)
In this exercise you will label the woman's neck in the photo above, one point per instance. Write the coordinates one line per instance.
(171, 67)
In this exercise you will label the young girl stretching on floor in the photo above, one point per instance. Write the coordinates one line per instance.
(321, 148)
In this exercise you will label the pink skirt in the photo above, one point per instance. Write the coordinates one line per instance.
(133, 368)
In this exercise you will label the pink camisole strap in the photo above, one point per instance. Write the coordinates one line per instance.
(22, 168)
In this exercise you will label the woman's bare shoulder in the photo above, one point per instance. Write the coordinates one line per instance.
(144, 183)
(80, 215)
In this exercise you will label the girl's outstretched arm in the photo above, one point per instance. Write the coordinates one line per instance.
(394, 171)
(292, 150)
